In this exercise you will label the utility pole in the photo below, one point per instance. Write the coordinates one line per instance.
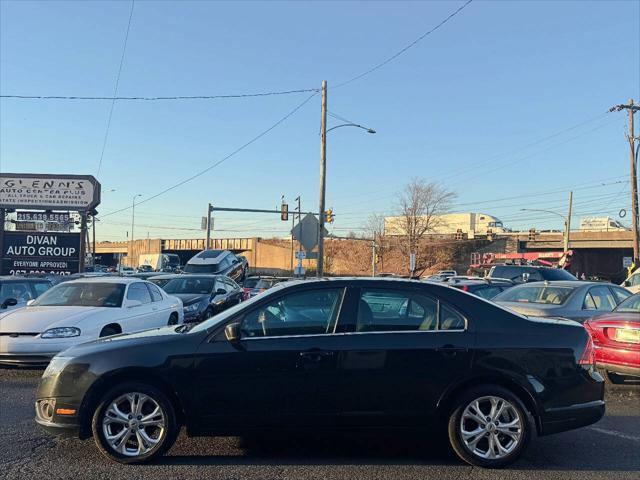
(567, 228)
(323, 176)
(632, 108)
(209, 207)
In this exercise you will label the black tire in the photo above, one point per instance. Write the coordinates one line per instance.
(173, 319)
(166, 437)
(482, 392)
(109, 330)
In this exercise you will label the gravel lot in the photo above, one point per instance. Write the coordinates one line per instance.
(609, 450)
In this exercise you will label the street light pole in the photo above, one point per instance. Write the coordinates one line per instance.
(323, 178)
(133, 217)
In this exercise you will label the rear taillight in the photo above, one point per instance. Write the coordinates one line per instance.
(588, 354)
(465, 288)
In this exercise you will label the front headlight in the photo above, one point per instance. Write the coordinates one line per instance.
(56, 365)
(61, 332)
(192, 308)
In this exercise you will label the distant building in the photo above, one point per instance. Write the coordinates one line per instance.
(600, 224)
(469, 223)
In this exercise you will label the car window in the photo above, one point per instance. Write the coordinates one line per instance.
(304, 313)
(620, 293)
(450, 319)
(528, 293)
(589, 303)
(602, 298)
(21, 291)
(630, 305)
(251, 282)
(231, 285)
(382, 310)
(221, 285)
(156, 296)
(41, 287)
(487, 292)
(634, 280)
(138, 291)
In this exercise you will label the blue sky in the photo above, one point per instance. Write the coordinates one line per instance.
(505, 104)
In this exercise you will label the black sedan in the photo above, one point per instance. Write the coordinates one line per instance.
(332, 354)
(204, 295)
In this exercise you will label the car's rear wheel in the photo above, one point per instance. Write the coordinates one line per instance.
(489, 427)
(134, 423)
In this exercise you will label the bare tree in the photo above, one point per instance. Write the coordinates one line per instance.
(420, 208)
(374, 230)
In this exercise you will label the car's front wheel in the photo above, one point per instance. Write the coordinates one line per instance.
(134, 423)
(489, 427)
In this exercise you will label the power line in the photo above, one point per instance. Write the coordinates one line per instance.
(400, 52)
(175, 97)
(115, 89)
(223, 159)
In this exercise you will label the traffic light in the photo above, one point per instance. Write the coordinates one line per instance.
(328, 216)
(284, 212)
(532, 234)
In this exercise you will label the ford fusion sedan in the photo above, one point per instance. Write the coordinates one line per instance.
(82, 310)
(576, 300)
(616, 336)
(203, 296)
(332, 354)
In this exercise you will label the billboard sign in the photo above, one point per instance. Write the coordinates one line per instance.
(50, 253)
(49, 192)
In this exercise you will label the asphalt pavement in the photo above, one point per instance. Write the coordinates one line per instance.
(609, 449)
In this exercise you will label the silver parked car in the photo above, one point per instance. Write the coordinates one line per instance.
(576, 300)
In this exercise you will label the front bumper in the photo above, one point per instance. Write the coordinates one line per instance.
(64, 430)
(561, 419)
(32, 351)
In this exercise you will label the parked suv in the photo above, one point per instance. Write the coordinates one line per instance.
(219, 262)
(529, 273)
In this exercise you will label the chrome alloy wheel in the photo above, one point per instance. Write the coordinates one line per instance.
(133, 424)
(491, 427)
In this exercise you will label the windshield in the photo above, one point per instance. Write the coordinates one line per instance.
(173, 260)
(206, 268)
(541, 294)
(83, 294)
(190, 285)
(17, 290)
(630, 305)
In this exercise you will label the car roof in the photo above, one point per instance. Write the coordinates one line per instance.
(563, 283)
(208, 257)
(107, 279)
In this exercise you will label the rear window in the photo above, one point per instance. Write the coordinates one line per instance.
(556, 274)
(206, 268)
(549, 295)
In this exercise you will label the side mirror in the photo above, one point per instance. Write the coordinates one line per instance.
(221, 291)
(9, 302)
(232, 332)
(525, 277)
(30, 301)
(133, 303)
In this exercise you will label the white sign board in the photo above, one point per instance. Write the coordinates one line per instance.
(203, 223)
(49, 192)
(626, 262)
(412, 262)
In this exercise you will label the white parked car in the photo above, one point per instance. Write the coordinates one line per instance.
(80, 311)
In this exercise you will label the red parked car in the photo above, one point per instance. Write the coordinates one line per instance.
(616, 337)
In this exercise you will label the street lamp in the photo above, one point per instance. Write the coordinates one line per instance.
(133, 217)
(566, 223)
(323, 173)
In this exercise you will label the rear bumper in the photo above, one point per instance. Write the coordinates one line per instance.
(621, 369)
(561, 419)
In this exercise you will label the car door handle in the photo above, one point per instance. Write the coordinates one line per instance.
(316, 356)
(450, 350)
